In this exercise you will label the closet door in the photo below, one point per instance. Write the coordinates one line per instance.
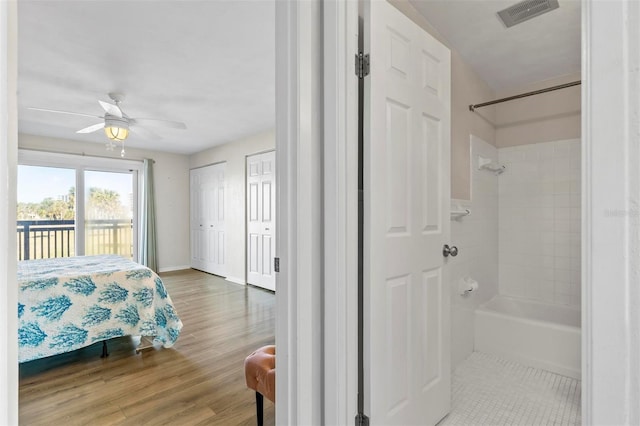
(214, 232)
(261, 211)
(208, 245)
(198, 249)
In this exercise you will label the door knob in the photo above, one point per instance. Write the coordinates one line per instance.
(446, 251)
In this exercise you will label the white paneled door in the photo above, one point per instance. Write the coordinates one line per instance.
(406, 221)
(261, 220)
(207, 219)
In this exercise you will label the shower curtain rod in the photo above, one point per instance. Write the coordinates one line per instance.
(524, 95)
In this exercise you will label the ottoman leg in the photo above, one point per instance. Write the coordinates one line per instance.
(259, 407)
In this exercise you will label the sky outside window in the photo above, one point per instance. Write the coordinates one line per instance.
(35, 183)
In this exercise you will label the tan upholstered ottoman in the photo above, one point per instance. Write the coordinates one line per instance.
(260, 374)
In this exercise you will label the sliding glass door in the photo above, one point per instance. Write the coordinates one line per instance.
(71, 205)
(108, 213)
(46, 212)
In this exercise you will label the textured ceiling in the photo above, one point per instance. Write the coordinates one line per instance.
(544, 47)
(209, 64)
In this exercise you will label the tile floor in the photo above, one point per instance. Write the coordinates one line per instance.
(488, 390)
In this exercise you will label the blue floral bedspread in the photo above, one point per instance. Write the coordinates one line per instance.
(68, 303)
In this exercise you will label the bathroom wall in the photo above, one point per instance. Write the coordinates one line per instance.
(539, 141)
(476, 237)
(522, 238)
(539, 225)
(545, 117)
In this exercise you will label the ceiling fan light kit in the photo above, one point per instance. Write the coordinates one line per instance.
(116, 128)
(117, 124)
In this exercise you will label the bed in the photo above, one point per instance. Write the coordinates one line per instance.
(68, 303)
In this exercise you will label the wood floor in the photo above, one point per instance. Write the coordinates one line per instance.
(198, 381)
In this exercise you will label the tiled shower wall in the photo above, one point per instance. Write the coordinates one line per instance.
(476, 236)
(539, 222)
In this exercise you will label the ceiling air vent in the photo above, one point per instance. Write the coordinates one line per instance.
(526, 10)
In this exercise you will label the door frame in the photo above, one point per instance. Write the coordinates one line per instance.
(340, 37)
(316, 191)
(299, 245)
(8, 198)
(610, 200)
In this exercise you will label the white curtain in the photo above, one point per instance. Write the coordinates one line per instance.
(148, 237)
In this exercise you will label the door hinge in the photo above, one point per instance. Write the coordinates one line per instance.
(276, 264)
(362, 420)
(362, 65)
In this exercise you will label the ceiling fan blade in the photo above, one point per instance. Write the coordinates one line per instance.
(64, 112)
(111, 109)
(159, 123)
(145, 133)
(91, 128)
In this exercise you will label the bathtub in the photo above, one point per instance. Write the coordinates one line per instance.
(531, 333)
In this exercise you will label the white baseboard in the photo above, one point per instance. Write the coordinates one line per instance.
(236, 280)
(174, 268)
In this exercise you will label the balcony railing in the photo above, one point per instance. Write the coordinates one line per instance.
(43, 239)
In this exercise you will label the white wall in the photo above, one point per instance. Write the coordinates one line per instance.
(8, 160)
(476, 237)
(171, 173)
(540, 222)
(235, 153)
(545, 117)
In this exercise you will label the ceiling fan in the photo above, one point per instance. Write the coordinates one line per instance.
(117, 124)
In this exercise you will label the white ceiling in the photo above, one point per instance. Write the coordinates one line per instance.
(544, 47)
(209, 64)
